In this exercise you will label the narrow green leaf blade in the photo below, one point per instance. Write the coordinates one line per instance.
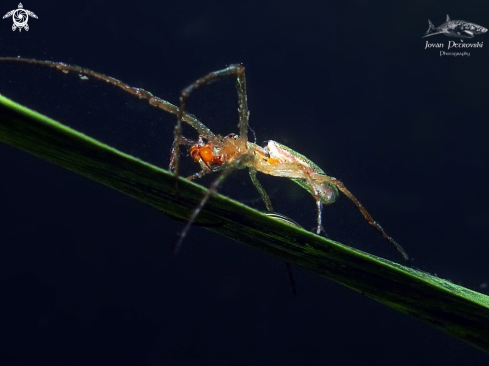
(451, 308)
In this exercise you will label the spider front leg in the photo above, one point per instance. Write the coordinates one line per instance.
(138, 92)
(239, 163)
(243, 112)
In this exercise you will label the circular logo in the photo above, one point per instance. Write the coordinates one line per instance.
(20, 18)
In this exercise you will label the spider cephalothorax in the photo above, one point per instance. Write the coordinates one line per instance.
(212, 154)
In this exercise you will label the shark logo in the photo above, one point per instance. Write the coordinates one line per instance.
(455, 28)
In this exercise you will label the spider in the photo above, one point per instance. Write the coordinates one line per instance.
(225, 154)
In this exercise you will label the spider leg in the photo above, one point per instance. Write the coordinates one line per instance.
(268, 204)
(196, 211)
(243, 112)
(290, 272)
(260, 189)
(319, 203)
(292, 171)
(295, 171)
(319, 206)
(368, 217)
(198, 175)
(140, 93)
(211, 190)
(183, 141)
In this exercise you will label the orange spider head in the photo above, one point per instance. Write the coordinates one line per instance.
(211, 155)
(206, 154)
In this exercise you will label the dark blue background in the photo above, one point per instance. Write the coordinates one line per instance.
(86, 274)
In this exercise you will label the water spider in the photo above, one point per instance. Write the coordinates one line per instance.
(225, 154)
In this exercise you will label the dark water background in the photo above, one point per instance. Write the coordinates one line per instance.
(86, 274)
